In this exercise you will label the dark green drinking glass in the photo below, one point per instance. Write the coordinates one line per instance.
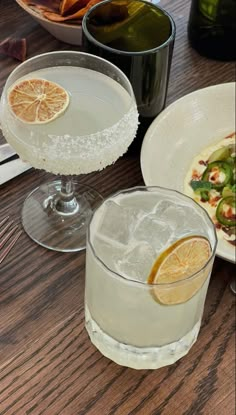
(138, 37)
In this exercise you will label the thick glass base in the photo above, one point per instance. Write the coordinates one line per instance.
(56, 225)
(137, 357)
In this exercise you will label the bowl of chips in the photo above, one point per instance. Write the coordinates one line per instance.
(61, 18)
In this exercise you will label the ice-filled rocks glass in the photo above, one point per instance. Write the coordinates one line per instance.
(149, 258)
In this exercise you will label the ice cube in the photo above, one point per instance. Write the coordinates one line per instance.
(154, 231)
(137, 262)
(109, 251)
(145, 200)
(118, 222)
(180, 216)
(171, 213)
(182, 219)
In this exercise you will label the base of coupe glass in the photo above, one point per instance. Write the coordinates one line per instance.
(50, 226)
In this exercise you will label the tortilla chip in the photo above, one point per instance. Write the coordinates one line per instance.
(15, 48)
(68, 7)
(49, 5)
(77, 15)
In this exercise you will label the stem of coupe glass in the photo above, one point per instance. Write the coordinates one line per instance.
(66, 203)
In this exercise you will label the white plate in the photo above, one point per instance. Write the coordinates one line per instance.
(181, 132)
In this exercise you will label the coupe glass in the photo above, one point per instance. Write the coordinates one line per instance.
(97, 127)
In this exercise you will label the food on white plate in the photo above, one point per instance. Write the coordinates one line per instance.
(211, 181)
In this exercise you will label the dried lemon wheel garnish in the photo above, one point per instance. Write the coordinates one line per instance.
(184, 258)
(37, 101)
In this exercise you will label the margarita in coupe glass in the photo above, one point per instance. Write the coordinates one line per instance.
(149, 257)
(93, 121)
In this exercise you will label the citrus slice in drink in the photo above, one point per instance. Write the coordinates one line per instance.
(180, 271)
(37, 101)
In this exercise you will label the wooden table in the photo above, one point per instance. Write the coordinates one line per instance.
(47, 364)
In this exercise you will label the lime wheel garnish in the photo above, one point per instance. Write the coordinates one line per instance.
(182, 263)
(37, 101)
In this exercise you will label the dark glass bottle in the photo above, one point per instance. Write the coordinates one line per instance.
(212, 28)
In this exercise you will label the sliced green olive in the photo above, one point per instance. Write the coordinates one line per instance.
(221, 154)
(232, 149)
(228, 191)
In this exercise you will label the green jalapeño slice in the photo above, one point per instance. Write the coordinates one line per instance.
(226, 211)
(218, 173)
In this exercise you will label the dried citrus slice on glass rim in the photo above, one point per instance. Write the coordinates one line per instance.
(37, 101)
(179, 272)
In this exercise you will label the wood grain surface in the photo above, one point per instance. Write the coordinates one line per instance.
(47, 364)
